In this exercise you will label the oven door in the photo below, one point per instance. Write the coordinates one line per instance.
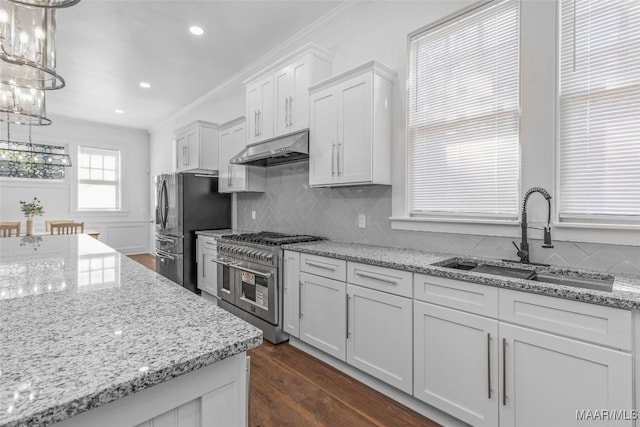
(256, 291)
(225, 278)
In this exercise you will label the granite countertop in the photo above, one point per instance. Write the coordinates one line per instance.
(82, 325)
(221, 232)
(625, 293)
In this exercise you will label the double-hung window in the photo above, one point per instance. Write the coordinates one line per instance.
(98, 179)
(463, 115)
(599, 111)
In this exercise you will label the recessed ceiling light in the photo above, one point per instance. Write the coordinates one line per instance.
(194, 29)
(145, 85)
(119, 111)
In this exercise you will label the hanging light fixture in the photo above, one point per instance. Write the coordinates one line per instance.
(22, 106)
(48, 3)
(27, 46)
(29, 160)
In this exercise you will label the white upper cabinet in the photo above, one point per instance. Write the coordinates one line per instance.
(237, 178)
(278, 97)
(197, 147)
(350, 128)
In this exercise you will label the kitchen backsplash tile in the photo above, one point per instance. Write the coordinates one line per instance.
(290, 206)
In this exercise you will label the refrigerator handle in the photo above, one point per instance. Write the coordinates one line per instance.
(166, 204)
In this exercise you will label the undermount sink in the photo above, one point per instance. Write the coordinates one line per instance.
(604, 284)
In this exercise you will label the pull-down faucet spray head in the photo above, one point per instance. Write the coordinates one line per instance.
(523, 250)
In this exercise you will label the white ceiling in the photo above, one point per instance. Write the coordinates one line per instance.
(105, 48)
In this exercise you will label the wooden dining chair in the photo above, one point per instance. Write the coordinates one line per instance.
(47, 224)
(7, 228)
(67, 227)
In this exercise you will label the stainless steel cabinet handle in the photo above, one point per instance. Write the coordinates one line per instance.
(184, 155)
(347, 311)
(229, 180)
(325, 266)
(204, 268)
(504, 372)
(259, 122)
(255, 123)
(286, 112)
(380, 279)
(290, 111)
(489, 365)
(300, 300)
(338, 161)
(333, 155)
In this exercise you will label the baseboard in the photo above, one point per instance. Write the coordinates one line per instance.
(409, 401)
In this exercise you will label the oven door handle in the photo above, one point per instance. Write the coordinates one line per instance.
(164, 239)
(165, 255)
(226, 264)
(248, 270)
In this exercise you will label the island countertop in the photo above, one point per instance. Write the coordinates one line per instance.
(82, 325)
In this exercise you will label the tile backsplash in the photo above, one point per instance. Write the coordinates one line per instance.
(289, 205)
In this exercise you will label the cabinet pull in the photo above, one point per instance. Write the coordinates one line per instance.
(300, 300)
(286, 112)
(380, 279)
(229, 175)
(255, 123)
(259, 122)
(489, 365)
(338, 162)
(184, 156)
(290, 111)
(204, 268)
(188, 155)
(504, 372)
(347, 318)
(333, 155)
(324, 266)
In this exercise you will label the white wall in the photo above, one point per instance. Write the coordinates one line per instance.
(127, 231)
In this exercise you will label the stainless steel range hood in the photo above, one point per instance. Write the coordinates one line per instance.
(283, 149)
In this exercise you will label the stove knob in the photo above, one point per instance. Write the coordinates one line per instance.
(269, 257)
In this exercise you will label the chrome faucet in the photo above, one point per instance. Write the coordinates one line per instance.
(523, 250)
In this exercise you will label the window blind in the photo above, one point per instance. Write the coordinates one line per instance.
(463, 119)
(599, 111)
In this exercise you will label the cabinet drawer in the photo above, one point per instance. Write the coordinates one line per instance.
(466, 296)
(208, 242)
(380, 278)
(331, 268)
(589, 322)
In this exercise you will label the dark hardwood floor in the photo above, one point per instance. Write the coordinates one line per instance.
(290, 388)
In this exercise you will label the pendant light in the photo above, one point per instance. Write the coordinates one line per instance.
(23, 106)
(27, 46)
(48, 3)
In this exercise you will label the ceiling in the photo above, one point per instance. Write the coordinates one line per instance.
(105, 48)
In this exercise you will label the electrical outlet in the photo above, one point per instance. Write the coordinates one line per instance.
(253, 214)
(362, 221)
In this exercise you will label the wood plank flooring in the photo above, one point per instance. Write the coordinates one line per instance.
(290, 388)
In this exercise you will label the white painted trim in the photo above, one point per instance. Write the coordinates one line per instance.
(407, 400)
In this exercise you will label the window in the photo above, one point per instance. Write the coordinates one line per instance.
(98, 179)
(463, 115)
(599, 111)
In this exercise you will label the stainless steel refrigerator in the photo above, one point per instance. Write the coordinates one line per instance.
(186, 203)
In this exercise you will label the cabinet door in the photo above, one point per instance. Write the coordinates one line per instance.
(292, 293)
(323, 137)
(227, 151)
(354, 159)
(192, 143)
(299, 101)
(266, 110)
(283, 95)
(379, 336)
(238, 172)
(254, 101)
(456, 363)
(323, 314)
(181, 153)
(550, 378)
(207, 267)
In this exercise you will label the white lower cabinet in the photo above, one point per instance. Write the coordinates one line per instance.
(456, 363)
(547, 379)
(291, 284)
(323, 318)
(379, 338)
(207, 267)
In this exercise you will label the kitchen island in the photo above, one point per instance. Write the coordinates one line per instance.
(89, 337)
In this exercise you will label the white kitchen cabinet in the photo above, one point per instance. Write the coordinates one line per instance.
(549, 378)
(278, 97)
(207, 269)
(456, 363)
(260, 109)
(292, 283)
(237, 178)
(379, 335)
(197, 147)
(323, 314)
(350, 128)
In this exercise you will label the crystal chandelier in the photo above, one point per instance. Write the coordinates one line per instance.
(27, 46)
(48, 3)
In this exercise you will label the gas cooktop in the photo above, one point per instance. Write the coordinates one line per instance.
(269, 238)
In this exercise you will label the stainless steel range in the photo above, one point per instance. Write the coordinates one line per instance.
(250, 279)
